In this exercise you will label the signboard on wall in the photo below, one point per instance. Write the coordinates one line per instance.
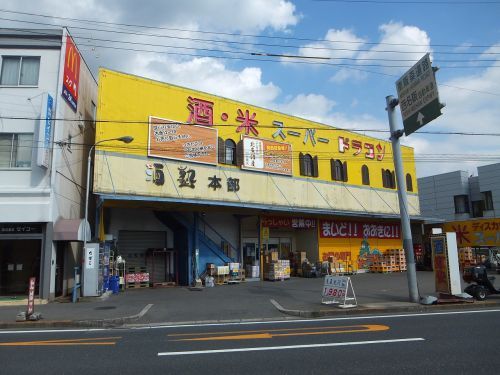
(45, 132)
(71, 73)
(358, 229)
(267, 156)
(288, 222)
(475, 233)
(171, 140)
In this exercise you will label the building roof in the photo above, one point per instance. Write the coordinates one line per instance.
(31, 38)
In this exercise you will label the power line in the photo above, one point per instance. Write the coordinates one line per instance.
(260, 125)
(204, 32)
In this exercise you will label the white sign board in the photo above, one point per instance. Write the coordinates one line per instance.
(90, 254)
(338, 289)
(45, 131)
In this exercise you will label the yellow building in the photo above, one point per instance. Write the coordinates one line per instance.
(205, 174)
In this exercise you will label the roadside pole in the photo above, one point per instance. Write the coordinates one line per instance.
(403, 201)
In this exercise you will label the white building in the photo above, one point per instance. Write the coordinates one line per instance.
(47, 106)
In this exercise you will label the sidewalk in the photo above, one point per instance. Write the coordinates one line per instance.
(261, 300)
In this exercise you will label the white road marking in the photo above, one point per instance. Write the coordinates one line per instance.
(286, 347)
(362, 317)
(55, 330)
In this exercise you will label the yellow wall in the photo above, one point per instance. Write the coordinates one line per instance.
(352, 246)
(126, 102)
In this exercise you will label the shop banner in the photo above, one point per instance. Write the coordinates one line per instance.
(71, 76)
(267, 156)
(358, 229)
(172, 140)
(288, 222)
(475, 233)
(31, 296)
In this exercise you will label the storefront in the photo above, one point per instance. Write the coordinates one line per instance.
(21, 252)
(219, 181)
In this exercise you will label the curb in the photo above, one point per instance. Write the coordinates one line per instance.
(88, 323)
(361, 310)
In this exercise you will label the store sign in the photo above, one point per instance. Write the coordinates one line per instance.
(90, 254)
(171, 140)
(267, 156)
(338, 290)
(439, 253)
(31, 296)
(475, 233)
(45, 132)
(16, 228)
(288, 222)
(369, 150)
(71, 74)
(355, 229)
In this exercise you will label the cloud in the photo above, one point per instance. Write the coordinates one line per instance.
(397, 42)
(309, 106)
(209, 75)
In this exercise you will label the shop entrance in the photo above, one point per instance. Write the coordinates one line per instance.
(283, 245)
(19, 260)
(250, 251)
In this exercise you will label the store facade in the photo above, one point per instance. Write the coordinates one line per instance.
(225, 181)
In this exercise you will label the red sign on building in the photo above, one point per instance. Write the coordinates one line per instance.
(288, 222)
(71, 74)
(358, 229)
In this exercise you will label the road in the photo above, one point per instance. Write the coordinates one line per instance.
(444, 342)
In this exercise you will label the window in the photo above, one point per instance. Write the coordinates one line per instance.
(15, 150)
(477, 208)
(230, 151)
(488, 200)
(308, 165)
(388, 179)
(409, 182)
(227, 151)
(339, 170)
(365, 175)
(461, 204)
(20, 71)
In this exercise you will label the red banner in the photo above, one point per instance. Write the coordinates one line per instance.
(288, 222)
(358, 229)
(71, 74)
(31, 296)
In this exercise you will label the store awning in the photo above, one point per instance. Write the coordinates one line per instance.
(71, 230)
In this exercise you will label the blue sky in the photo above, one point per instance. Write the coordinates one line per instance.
(351, 97)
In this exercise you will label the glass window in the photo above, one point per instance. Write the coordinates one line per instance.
(20, 71)
(365, 175)
(461, 204)
(230, 151)
(488, 200)
(409, 182)
(307, 165)
(16, 150)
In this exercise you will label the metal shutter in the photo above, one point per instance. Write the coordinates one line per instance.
(132, 245)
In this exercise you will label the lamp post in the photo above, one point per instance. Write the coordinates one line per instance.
(124, 139)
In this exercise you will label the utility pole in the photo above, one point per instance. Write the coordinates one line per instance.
(391, 103)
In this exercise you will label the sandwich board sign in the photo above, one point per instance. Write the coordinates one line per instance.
(338, 290)
(418, 96)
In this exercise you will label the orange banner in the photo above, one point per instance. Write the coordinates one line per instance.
(171, 140)
(477, 232)
(267, 156)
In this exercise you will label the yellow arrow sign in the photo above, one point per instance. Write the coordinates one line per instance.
(269, 334)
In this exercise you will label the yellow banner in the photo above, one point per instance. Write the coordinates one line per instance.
(474, 233)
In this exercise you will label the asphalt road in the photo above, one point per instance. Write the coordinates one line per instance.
(439, 343)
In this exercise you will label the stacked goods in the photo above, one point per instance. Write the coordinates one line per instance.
(465, 257)
(252, 271)
(137, 277)
(393, 261)
(399, 257)
(222, 274)
(271, 257)
(210, 269)
(235, 273)
(277, 270)
(339, 266)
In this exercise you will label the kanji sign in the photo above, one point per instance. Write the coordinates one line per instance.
(477, 232)
(267, 156)
(288, 222)
(355, 229)
(31, 296)
(418, 96)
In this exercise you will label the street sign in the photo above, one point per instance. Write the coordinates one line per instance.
(418, 96)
